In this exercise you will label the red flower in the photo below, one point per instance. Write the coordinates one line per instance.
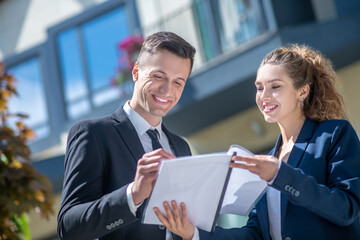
(129, 49)
(131, 44)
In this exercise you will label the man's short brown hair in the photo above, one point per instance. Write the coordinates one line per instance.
(170, 42)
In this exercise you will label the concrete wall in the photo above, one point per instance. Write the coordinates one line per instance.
(247, 129)
(349, 79)
(23, 23)
(44, 228)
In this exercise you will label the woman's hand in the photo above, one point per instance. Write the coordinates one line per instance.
(174, 222)
(265, 166)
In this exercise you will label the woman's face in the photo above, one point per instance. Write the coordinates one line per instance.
(276, 96)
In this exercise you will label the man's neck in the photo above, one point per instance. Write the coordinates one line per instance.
(152, 120)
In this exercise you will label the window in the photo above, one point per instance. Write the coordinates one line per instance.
(226, 24)
(31, 99)
(73, 76)
(88, 59)
(238, 21)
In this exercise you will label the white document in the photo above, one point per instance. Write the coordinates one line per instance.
(244, 188)
(198, 181)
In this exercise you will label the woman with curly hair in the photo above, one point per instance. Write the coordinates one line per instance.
(313, 172)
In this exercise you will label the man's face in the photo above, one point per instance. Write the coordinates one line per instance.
(159, 83)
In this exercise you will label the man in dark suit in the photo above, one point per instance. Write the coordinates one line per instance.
(111, 162)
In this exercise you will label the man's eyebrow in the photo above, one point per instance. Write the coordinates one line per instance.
(158, 70)
(162, 72)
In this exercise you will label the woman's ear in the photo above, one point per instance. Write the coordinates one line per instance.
(135, 72)
(304, 92)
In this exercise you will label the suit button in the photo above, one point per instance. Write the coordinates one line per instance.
(112, 225)
(119, 222)
(297, 193)
(287, 238)
(108, 227)
(161, 227)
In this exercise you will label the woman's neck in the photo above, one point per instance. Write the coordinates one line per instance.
(290, 129)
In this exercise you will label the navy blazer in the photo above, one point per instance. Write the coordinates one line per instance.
(319, 185)
(100, 161)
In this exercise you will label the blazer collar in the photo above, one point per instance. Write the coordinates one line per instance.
(128, 133)
(174, 147)
(307, 129)
(300, 145)
(301, 142)
(131, 139)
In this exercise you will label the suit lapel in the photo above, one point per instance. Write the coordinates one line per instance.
(301, 143)
(263, 216)
(128, 134)
(174, 147)
(283, 207)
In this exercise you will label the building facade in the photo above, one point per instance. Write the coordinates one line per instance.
(64, 54)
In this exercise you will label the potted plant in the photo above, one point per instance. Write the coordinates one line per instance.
(22, 187)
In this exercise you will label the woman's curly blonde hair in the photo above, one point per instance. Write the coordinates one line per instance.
(307, 66)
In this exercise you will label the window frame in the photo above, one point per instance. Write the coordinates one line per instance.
(76, 22)
(212, 17)
(39, 53)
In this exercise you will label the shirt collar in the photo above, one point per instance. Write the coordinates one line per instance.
(139, 123)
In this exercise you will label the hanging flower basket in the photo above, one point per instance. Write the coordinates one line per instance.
(129, 49)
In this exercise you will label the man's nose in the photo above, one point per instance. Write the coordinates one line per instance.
(166, 87)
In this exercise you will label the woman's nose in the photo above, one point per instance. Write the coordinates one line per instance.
(265, 94)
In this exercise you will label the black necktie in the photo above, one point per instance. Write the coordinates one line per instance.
(153, 134)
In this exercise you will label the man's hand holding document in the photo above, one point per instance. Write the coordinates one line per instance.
(207, 186)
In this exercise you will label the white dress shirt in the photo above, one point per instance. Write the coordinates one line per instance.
(274, 213)
(141, 126)
(273, 198)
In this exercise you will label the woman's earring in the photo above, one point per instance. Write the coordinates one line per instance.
(302, 103)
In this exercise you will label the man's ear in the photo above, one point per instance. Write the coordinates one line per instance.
(135, 72)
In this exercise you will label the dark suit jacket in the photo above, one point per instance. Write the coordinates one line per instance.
(320, 188)
(100, 162)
